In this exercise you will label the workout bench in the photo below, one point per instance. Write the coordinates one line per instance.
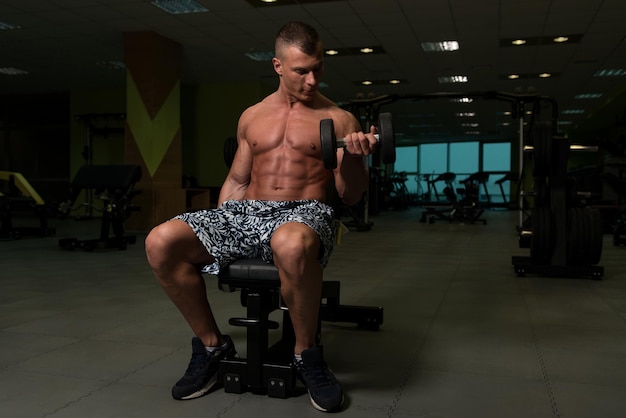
(19, 193)
(114, 185)
(268, 370)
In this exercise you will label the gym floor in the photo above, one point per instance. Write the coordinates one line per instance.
(92, 334)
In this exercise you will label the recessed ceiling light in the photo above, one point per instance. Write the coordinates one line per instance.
(545, 75)
(394, 81)
(444, 46)
(12, 71)
(177, 7)
(367, 83)
(561, 39)
(513, 76)
(366, 50)
(518, 42)
(453, 79)
(462, 100)
(8, 26)
(332, 52)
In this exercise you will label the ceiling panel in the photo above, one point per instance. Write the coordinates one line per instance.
(60, 41)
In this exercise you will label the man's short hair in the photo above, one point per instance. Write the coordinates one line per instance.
(298, 34)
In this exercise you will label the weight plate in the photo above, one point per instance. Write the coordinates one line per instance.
(542, 192)
(584, 241)
(541, 244)
(542, 145)
(328, 143)
(596, 228)
(386, 138)
(573, 236)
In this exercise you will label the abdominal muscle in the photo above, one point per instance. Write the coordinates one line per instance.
(286, 173)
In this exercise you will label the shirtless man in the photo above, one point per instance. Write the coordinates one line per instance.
(271, 205)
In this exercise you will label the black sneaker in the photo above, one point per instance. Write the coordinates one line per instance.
(324, 390)
(203, 371)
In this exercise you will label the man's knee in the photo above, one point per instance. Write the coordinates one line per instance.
(295, 241)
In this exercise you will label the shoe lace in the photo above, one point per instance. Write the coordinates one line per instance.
(316, 375)
(197, 362)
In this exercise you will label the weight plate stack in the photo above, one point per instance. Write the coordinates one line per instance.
(542, 241)
(596, 232)
(542, 149)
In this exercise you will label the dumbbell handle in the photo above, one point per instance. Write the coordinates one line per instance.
(342, 142)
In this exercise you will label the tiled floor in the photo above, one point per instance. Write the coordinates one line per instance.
(92, 335)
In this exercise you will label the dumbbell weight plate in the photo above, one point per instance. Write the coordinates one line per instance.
(387, 137)
(328, 143)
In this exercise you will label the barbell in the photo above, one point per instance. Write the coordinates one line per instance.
(330, 143)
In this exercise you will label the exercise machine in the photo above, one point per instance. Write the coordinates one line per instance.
(18, 194)
(565, 238)
(114, 185)
(455, 209)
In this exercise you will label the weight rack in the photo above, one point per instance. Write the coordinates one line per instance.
(565, 240)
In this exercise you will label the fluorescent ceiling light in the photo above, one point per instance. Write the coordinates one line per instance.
(12, 71)
(466, 114)
(444, 46)
(260, 55)
(112, 65)
(7, 26)
(453, 79)
(177, 7)
(573, 111)
(610, 73)
(588, 96)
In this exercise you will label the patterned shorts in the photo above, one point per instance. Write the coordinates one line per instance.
(243, 228)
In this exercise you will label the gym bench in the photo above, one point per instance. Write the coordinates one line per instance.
(268, 370)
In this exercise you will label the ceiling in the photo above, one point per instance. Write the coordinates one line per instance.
(61, 42)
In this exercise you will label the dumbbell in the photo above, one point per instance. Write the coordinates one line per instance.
(329, 143)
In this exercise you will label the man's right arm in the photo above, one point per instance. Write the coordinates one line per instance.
(238, 178)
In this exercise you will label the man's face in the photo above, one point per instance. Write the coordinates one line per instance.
(300, 73)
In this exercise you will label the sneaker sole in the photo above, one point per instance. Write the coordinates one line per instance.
(319, 408)
(203, 391)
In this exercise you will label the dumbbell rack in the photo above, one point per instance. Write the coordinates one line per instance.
(566, 241)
